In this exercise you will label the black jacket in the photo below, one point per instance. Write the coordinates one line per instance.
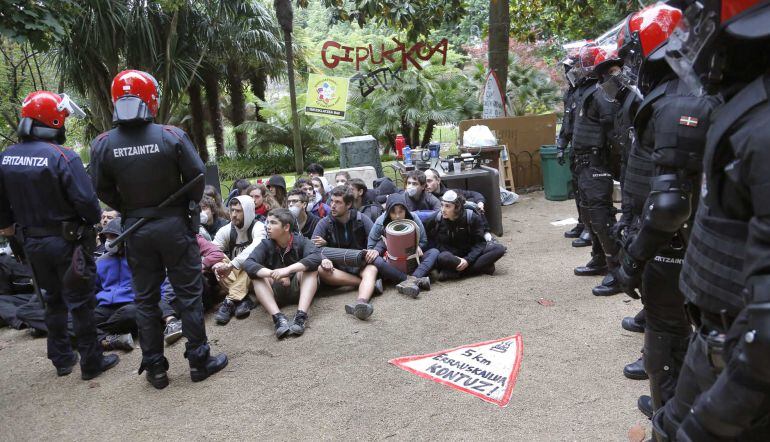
(463, 237)
(268, 255)
(310, 225)
(351, 235)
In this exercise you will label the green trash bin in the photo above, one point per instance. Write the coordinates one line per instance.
(557, 179)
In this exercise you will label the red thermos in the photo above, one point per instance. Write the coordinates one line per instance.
(400, 144)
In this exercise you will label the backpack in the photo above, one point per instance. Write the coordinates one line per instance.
(234, 237)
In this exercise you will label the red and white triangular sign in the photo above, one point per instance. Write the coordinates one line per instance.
(486, 370)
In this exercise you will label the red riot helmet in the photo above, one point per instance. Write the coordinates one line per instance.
(586, 59)
(43, 114)
(693, 52)
(572, 50)
(642, 42)
(136, 97)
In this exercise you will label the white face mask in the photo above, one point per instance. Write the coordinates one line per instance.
(317, 197)
(204, 218)
(295, 211)
(411, 192)
(111, 248)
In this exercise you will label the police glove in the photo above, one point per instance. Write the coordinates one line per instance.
(629, 274)
(560, 156)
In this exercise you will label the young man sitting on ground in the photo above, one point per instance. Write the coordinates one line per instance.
(316, 206)
(363, 201)
(395, 210)
(237, 240)
(284, 265)
(418, 199)
(459, 235)
(473, 200)
(346, 228)
(306, 221)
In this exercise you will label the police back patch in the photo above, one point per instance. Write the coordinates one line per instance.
(685, 120)
(14, 160)
(135, 150)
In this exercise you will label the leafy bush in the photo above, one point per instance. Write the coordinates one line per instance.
(268, 163)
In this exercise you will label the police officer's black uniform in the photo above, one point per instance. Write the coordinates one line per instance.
(135, 167)
(46, 192)
(591, 145)
(672, 125)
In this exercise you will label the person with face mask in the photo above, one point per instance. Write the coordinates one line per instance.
(212, 217)
(418, 199)
(315, 204)
(306, 221)
(315, 170)
(341, 178)
(237, 240)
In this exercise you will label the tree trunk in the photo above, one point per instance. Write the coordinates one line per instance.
(499, 29)
(258, 82)
(406, 131)
(211, 83)
(238, 103)
(299, 154)
(416, 135)
(196, 121)
(391, 143)
(428, 132)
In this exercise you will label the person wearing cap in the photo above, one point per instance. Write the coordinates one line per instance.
(277, 187)
(459, 235)
(48, 204)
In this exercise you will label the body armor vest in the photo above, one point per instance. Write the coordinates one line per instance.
(588, 133)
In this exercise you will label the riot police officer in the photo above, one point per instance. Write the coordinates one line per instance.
(672, 125)
(135, 167)
(723, 392)
(48, 203)
(591, 147)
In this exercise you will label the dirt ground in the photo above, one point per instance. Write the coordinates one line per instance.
(335, 382)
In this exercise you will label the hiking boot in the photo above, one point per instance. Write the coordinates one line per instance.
(156, 373)
(212, 365)
(67, 369)
(173, 331)
(244, 308)
(108, 361)
(298, 325)
(408, 287)
(282, 326)
(584, 240)
(596, 266)
(361, 310)
(448, 275)
(575, 231)
(118, 342)
(422, 283)
(378, 288)
(225, 312)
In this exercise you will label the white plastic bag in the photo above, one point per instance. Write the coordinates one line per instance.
(478, 136)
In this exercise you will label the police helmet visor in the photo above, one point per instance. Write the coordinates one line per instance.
(612, 86)
(692, 35)
(70, 106)
(572, 77)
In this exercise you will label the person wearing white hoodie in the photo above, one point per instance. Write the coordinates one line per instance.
(237, 239)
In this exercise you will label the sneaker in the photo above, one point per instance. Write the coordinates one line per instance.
(225, 312)
(361, 310)
(409, 288)
(67, 369)
(423, 283)
(213, 365)
(378, 288)
(244, 308)
(282, 326)
(108, 361)
(156, 374)
(173, 331)
(298, 325)
(118, 342)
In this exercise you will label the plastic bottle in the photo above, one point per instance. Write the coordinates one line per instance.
(407, 155)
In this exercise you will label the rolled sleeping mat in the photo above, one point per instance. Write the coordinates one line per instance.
(401, 240)
(344, 257)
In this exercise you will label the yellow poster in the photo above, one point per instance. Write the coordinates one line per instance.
(326, 96)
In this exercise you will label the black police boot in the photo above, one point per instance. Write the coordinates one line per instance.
(203, 365)
(244, 308)
(156, 373)
(663, 358)
(225, 312)
(298, 325)
(596, 266)
(645, 405)
(584, 240)
(66, 369)
(634, 324)
(635, 370)
(282, 326)
(609, 285)
(108, 361)
(575, 231)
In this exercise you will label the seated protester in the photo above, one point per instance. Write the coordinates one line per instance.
(238, 187)
(211, 255)
(418, 199)
(108, 215)
(213, 192)
(318, 186)
(383, 187)
(341, 178)
(263, 200)
(284, 265)
(362, 199)
(395, 209)
(346, 228)
(315, 200)
(315, 170)
(306, 221)
(115, 312)
(237, 240)
(277, 187)
(213, 217)
(473, 200)
(459, 235)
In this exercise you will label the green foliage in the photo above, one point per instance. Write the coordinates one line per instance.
(530, 90)
(566, 19)
(41, 23)
(276, 161)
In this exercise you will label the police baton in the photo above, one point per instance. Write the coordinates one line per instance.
(142, 221)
